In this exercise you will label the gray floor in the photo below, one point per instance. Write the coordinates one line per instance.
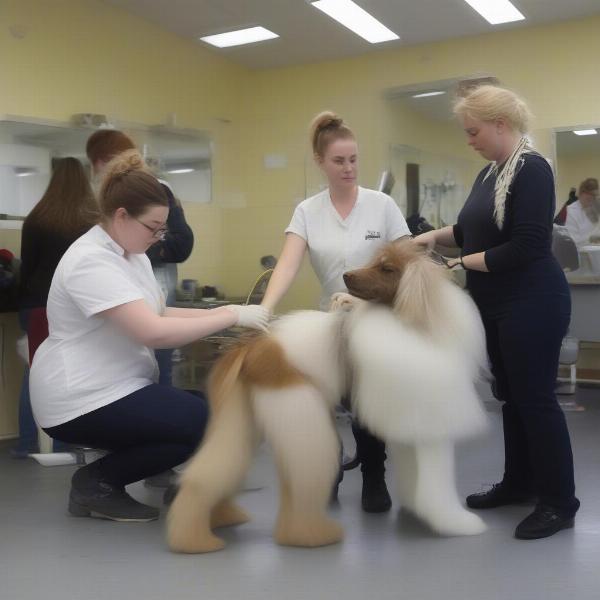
(45, 554)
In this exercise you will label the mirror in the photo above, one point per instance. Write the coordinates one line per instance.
(433, 167)
(180, 156)
(577, 160)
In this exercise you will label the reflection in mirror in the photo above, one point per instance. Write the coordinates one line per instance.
(27, 146)
(429, 158)
(578, 194)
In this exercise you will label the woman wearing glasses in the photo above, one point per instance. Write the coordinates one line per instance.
(93, 380)
(173, 245)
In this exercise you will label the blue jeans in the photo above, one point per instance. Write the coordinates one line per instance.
(28, 433)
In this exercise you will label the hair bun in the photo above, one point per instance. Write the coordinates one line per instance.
(327, 120)
(124, 163)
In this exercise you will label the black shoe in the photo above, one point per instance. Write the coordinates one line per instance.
(333, 498)
(375, 495)
(543, 522)
(92, 497)
(499, 495)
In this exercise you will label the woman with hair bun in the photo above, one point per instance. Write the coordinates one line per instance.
(342, 228)
(93, 380)
(174, 247)
(504, 231)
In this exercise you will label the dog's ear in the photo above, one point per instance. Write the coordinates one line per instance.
(419, 294)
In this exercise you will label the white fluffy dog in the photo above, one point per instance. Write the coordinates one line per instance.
(410, 356)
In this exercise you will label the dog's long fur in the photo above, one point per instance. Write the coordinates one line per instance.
(414, 350)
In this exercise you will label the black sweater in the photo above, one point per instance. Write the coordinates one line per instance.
(179, 241)
(41, 251)
(518, 256)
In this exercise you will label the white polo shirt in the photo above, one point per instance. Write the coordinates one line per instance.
(86, 362)
(579, 225)
(338, 245)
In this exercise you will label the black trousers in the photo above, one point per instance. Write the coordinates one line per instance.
(146, 432)
(370, 451)
(523, 339)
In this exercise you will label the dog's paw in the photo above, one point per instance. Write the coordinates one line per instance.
(308, 533)
(227, 514)
(344, 301)
(459, 523)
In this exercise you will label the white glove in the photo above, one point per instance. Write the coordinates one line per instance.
(251, 315)
(344, 301)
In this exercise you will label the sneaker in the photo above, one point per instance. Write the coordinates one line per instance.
(499, 495)
(93, 497)
(375, 496)
(543, 522)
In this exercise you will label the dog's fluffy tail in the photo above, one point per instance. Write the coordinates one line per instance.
(224, 457)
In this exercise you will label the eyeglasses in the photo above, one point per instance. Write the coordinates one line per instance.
(160, 234)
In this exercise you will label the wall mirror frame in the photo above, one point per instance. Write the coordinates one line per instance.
(428, 157)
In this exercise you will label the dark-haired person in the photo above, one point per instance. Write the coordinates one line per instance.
(66, 211)
(342, 228)
(94, 379)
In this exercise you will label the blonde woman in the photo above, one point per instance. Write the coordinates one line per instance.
(342, 228)
(504, 231)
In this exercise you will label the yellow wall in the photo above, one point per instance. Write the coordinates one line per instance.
(86, 56)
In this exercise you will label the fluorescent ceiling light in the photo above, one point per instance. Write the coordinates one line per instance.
(428, 94)
(24, 171)
(179, 171)
(496, 11)
(585, 132)
(353, 17)
(237, 38)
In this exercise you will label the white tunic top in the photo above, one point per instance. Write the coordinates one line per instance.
(86, 362)
(579, 225)
(338, 245)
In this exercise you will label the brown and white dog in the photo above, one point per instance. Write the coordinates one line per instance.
(413, 351)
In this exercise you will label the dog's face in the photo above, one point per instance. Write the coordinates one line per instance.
(378, 281)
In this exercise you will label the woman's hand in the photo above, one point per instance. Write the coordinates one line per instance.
(253, 316)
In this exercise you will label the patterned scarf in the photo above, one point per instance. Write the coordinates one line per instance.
(505, 174)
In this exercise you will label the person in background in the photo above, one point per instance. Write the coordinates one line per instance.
(93, 381)
(66, 211)
(504, 231)
(164, 255)
(583, 216)
(561, 215)
(342, 228)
